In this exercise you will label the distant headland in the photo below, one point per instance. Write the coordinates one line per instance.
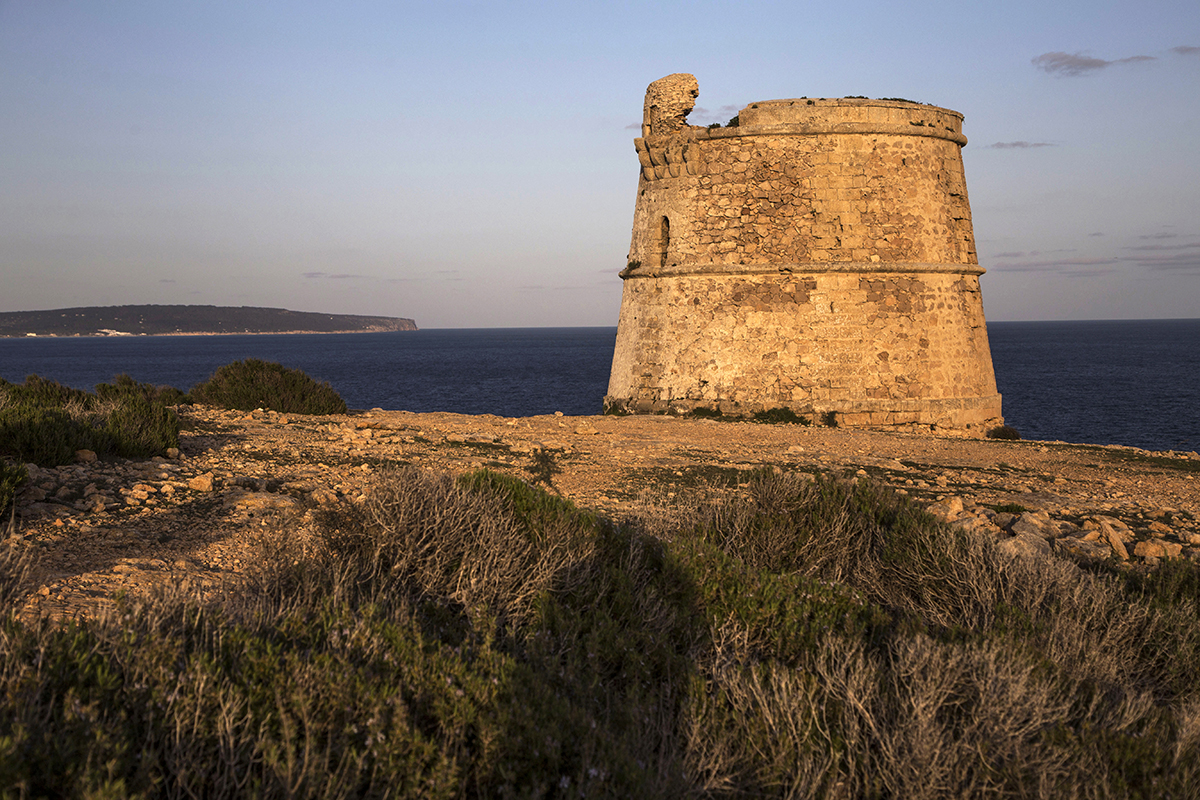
(188, 321)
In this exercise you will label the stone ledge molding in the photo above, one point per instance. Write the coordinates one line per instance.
(841, 129)
(812, 267)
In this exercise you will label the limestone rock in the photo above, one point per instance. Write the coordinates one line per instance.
(1026, 545)
(947, 510)
(201, 483)
(1083, 547)
(1157, 548)
(1026, 525)
(1115, 540)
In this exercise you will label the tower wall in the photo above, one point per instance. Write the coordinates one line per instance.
(817, 257)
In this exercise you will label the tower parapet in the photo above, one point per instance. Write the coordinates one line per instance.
(819, 256)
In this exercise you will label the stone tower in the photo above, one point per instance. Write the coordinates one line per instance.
(818, 256)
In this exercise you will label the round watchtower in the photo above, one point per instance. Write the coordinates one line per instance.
(818, 256)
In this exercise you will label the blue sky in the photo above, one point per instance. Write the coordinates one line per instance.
(471, 164)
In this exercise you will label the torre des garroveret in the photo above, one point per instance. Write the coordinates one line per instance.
(816, 255)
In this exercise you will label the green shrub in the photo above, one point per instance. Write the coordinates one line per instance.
(123, 386)
(1003, 432)
(137, 426)
(252, 384)
(45, 423)
(45, 393)
(46, 436)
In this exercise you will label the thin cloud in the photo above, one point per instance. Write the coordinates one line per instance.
(167, 280)
(1074, 64)
(1018, 145)
(1161, 247)
(1175, 262)
(1186, 50)
(1015, 254)
(1097, 233)
(1160, 257)
(337, 276)
(1063, 265)
(633, 126)
(1087, 273)
(1158, 236)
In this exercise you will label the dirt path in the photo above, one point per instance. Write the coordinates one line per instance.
(105, 527)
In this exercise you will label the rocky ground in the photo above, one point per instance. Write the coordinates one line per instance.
(104, 527)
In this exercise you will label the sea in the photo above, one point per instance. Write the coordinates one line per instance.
(1126, 382)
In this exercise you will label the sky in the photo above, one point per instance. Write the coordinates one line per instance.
(472, 164)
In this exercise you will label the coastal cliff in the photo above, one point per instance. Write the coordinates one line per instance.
(153, 320)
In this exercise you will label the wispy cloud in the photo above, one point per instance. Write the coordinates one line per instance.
(1086, 273)
(1174, 257)
(1186, 50)
(1018, 145)
(336, 276)
(166, 280)
(1061, 265)
(1073, 64)
(634, 126)
(1191, 246)
(1097, 233)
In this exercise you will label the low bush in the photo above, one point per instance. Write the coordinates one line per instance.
(480, 637)
(123, 386)
(253, 383)
(45, 423)
(1003, 432)
(46, 436)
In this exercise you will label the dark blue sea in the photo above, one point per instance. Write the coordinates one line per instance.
(1118, 382)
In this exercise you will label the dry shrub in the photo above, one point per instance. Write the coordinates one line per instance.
(466, 541)
(17, 561)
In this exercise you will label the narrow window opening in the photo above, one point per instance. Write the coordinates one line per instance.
(664, 242)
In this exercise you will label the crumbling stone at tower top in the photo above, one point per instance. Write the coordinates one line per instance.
(817, 257)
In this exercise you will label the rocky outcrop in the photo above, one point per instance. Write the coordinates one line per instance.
(104, 526)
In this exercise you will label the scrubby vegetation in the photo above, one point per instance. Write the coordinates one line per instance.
(252, 384)
(1003, 432)
(45, 423)
(480, 637)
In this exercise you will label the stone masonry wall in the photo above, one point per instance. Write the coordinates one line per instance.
(819, 257)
